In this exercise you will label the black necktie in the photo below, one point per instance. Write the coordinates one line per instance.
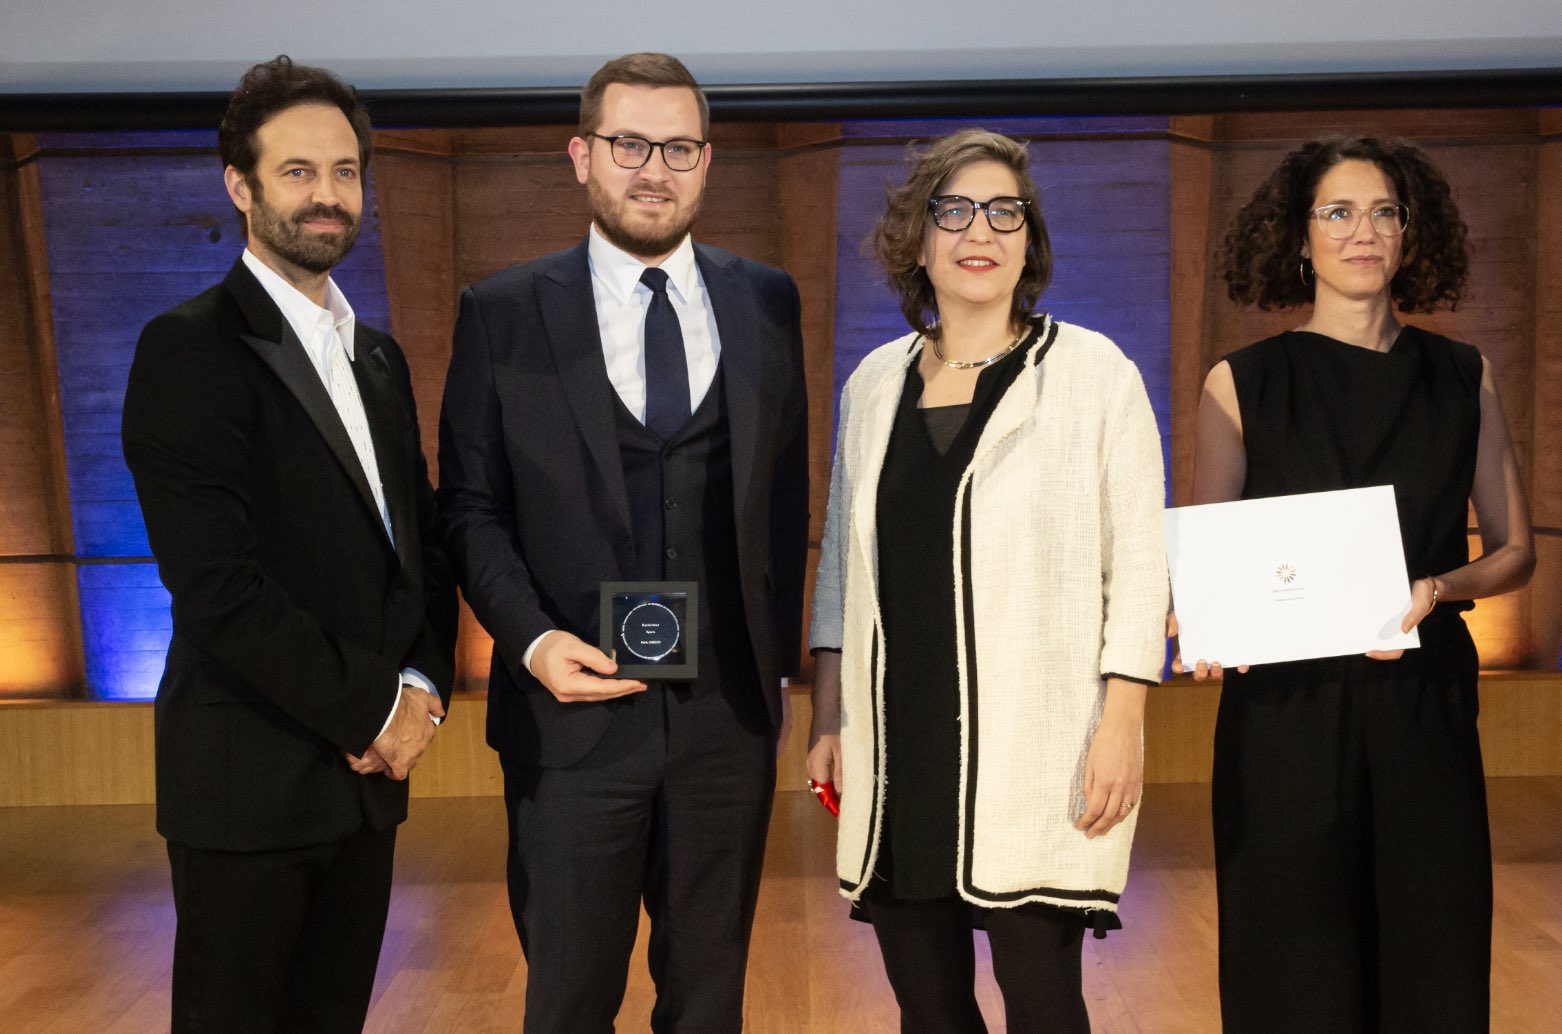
(666, 369)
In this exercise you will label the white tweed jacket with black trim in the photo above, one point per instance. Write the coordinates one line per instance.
(1064, 581)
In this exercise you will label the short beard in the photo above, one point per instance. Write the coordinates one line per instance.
(604, 211)
(286, 237)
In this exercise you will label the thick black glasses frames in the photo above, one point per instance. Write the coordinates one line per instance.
(955, 212)
(632, 152)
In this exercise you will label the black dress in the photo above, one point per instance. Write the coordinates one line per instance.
(1352, 855)
(916, 519)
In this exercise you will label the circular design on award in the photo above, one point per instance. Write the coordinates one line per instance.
(650, 631)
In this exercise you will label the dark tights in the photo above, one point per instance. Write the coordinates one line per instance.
(930, 958)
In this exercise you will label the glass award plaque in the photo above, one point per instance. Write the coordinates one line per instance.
(651, 630)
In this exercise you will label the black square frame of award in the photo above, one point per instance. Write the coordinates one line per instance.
(681, 599)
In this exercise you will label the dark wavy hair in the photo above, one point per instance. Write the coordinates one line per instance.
(274, 86)
(897, 239)
(1262, 252)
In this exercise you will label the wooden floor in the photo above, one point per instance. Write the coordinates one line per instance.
(86, 926)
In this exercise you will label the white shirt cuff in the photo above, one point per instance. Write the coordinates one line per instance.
(410, 677)
(526, 658)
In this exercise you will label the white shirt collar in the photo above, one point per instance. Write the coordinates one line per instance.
(620, 271)
(305, 317)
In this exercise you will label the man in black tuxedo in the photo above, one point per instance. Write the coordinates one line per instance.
(632, 409)
(274, 445)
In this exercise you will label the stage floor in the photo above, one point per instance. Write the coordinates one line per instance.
(86, 925)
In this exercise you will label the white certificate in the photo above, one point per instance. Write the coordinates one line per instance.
(1288, 578)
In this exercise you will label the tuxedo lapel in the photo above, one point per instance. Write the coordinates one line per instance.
(279, 348)
(569, 318)
(732, 301)
(387, 419)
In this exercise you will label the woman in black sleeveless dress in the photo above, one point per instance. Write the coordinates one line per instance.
(1352, 856)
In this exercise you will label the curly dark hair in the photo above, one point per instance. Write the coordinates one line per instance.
(1262, 251)
(274, 86)
(897, 239)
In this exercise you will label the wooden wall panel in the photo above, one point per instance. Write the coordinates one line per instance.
(1425, 126)
(514, 198)
(415, 187)
(31, 509)
(83, 752)
(474, 653)
(1545, 388)
(459, 763)
(1494, 185)
(415, 183)
(40, 628)
(509, 209)
(809, 175)
(1545, 590)
(75, 753)
(1521, 723)
(866, 315)
(1179, 731)
(40, 632)
(1191, 182)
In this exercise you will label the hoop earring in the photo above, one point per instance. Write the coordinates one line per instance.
(1301, 272)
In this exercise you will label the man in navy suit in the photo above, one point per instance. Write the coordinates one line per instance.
(274, 445)
(632, 409)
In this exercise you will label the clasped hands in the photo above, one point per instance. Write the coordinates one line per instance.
(396, 750)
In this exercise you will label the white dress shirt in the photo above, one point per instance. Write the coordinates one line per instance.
(621, 302)
(327, 336)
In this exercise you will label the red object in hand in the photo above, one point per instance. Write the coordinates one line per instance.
(827, 796)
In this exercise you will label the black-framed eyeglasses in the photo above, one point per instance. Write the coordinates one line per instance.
(632, 152)
(1340, 221)
(954, 212)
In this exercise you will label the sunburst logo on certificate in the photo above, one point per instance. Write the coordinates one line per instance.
(1286, 574)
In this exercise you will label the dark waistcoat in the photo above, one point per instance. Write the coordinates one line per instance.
(681, 512)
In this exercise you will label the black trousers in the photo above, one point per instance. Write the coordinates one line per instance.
(930, 959)
(1353, 862)
(278, 942)
(671, 809)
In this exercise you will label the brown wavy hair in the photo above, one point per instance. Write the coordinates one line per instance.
(897, 239)
(1262, 252)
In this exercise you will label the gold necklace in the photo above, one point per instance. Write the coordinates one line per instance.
(955, 364)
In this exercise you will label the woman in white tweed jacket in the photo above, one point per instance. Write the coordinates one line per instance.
(989, 609)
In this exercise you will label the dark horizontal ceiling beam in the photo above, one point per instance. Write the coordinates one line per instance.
(823, 102)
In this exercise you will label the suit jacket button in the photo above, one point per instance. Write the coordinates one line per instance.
(672, 554)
